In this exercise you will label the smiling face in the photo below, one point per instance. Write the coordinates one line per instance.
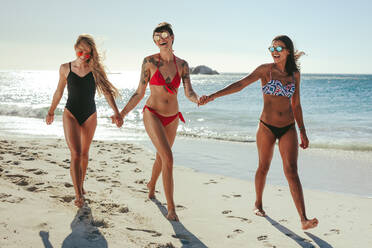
(279, 57)
(83, 52)
(163, 39)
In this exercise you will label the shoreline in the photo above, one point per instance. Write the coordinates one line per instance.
(214, 210)
(216, 157)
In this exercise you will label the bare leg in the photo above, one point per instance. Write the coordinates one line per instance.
(160, 137)
(265, 146)
(156, 170)
(87, 132)
(288, 146)
(72, 134)
(171, 131)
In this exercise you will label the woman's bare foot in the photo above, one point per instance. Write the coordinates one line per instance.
(258, 210)
(172, 215)
(308, 224)
(151, 190)
(79, 201)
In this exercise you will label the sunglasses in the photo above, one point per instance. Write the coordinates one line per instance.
(278, 48)
(163, 35)
(87, 56)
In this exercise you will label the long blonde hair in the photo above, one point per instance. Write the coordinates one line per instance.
(104, 86)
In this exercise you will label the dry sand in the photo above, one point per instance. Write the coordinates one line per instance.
(37, 210)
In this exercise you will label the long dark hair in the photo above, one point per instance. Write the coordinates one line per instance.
(292, 65)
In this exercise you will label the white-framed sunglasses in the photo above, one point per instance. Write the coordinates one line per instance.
(162, 35)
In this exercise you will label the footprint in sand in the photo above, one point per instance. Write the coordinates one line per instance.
(68, 185)
(153, 233)
(211, 181)
(178, 207)
(115, 184)
(102, 162)
(226, 211)
(136, 170)
(32, 189)
(28, 159)
(51, 161)
(129, 160)
(232, 195)
(240, 218)
(123, 210)
(332, 232)
(37, 171)
(235, 233)
(10, 199)
(141, 181)
(101, 223)
(101, 179)
(262, 238)
(67, 198)
(65, 166)
(157, 245)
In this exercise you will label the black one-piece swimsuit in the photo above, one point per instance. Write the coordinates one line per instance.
(81, 93)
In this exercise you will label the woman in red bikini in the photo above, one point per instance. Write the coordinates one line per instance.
(164, 72)
(282, 108)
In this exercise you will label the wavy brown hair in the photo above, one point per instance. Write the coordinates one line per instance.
(104, 86)
(292, 65)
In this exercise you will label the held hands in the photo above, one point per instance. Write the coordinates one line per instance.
(49, 118)
(304, 140)
(117, 119)
(204, 100)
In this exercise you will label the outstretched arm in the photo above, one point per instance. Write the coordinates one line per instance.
(57, 94)
(140, 92)
(189, 92)
(297, 110)
(235, 87)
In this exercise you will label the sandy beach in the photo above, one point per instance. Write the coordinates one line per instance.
(37, 210)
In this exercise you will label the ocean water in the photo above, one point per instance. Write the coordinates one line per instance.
(336, 108)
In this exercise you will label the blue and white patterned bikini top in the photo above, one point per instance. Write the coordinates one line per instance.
(276, 88)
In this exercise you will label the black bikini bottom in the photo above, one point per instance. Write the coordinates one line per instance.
(278, 131)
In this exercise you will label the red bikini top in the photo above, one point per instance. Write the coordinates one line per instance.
(158, 79)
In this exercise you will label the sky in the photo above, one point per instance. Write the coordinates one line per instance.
(226, 35)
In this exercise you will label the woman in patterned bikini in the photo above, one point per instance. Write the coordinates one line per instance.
(282, 108)
(163, 71)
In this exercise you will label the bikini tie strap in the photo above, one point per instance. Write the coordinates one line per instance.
(181, 117)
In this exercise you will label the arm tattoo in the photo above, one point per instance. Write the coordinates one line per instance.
(186, 75)
(145, 73)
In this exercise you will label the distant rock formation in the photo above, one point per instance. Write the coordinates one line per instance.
(202, 69)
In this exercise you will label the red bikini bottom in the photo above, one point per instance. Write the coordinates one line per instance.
(165, 120)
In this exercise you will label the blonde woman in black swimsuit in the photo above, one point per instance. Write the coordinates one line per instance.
(82, 77)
